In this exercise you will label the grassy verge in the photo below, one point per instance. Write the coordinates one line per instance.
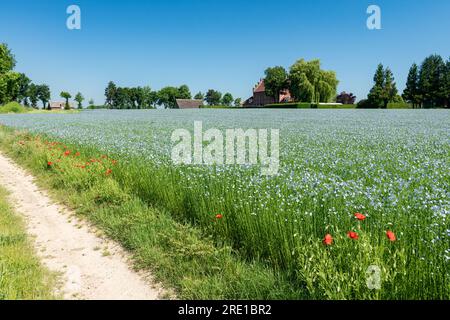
(180, 255)
(21, 275)
(218, 107)
(306, 105)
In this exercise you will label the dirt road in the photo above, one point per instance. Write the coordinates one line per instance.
(91, 267)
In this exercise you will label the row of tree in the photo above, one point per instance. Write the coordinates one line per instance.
(429, 84)
(215, 98)
(79, 98)
(15, 86)
(145, 98)
(426, 86)
(305, 80)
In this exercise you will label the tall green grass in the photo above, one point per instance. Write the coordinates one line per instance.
(21, 275)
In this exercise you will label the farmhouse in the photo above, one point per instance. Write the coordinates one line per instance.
(189, 103)
(59, 105)
(260, 98)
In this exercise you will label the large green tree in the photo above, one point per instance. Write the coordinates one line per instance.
(110, 94)
(184, 92)
(149, 97)
(66, 95)
(390, 88)
(275, 81)
(136, 97)
(24, 84)
(79, 99)
(43, 93)
(384, 89)
(167, 97)
(199, 96)
(432, 81)
(411, 93)
(7, 60)
(213, 97)
(9, 87)
(227, 99)
(301, 88)
(33, 95)
(120, 98)
(309, 83)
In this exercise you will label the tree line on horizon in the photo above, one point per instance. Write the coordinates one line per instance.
(427, 85)
(145, 98)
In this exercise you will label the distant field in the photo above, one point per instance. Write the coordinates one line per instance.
(390, 165)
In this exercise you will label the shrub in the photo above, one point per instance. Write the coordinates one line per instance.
(92, 107)
(399, 105)
(346, 98)
(365, 104)
(337, 106)
(13, 107)
(291, 105)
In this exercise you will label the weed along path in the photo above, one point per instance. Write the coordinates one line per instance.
(91, 267)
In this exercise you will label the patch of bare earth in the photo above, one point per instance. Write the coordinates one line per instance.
(91, 267)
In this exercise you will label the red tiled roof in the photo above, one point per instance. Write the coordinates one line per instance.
(260, 87)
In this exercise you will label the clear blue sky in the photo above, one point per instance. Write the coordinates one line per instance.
(225, 45)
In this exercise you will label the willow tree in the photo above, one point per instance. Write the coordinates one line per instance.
(309, 83)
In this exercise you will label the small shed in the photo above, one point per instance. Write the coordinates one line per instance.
(189, 103)
(59, 105)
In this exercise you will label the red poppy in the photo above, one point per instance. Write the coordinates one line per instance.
(391, 236)
(77, 154)
(328, 240)
(352, 235)
(219, 216)
(67, 153)
(108, 172)
(49, 163)
(360, 216)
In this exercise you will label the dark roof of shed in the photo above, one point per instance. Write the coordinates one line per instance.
(189, 103)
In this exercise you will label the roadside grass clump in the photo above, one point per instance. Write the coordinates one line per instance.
(14, 107)
(301, 227)
(22, 277)
(17, 108)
